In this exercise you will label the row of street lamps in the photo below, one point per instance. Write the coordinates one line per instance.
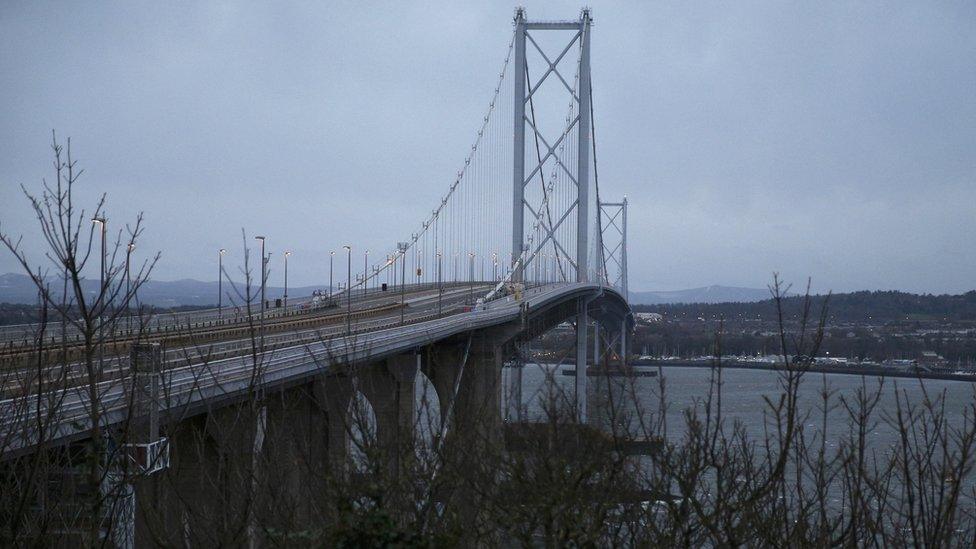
(266, 257)
(401, 249)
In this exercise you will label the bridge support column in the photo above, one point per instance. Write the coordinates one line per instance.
(478, 407)
(210, 493)
(296, 457)
(389, 386)
(334, 393)
(239, 433)
(187, 499)
(468, 379)
(471, 405)
(441, 365)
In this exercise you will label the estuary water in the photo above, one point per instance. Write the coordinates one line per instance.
(743, 393)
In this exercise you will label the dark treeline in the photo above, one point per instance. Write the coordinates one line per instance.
(861, 306)
(695, 339)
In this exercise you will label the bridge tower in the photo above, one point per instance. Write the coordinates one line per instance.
(580, 126)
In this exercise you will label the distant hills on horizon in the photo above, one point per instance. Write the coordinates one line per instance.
(18, 288)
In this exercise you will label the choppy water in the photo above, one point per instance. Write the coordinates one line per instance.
(743, 392)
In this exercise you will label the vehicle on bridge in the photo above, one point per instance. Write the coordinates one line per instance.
(320, 300)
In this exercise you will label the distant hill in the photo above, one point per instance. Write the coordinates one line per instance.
(18, 288)
(708, 294)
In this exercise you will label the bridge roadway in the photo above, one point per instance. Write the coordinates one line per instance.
(198, 387)
(15, 335)
(197, 340)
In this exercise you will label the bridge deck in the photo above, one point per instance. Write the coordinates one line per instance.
(196, 387)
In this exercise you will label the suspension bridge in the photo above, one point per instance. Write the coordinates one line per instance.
(521, 240)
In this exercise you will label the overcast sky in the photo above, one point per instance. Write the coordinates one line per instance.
(836, 141)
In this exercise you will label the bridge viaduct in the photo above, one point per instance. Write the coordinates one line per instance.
(178, 403)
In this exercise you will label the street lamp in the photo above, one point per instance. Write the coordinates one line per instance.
(348, 289)
(128, 313)
(402, 248)
(471, 277)
(331, 258)
(264, 271)
(391, 275)
(365, 270)
(101, 291)
(440, 286)
(101, 222)
(287, 253)
(220, 282)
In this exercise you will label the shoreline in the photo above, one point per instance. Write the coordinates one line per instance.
(814, 368)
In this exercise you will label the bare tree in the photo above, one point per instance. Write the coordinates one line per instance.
(76, 363)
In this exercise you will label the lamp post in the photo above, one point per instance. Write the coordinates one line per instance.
(100, 221)
(101, 291)
(494, 268)
(331, 258)
(402, 248)
(128, 313)
(440, 287)
(471, 277)
(287, 253)
(393, 260)
(263, 271)
(348, 289)
(220, 281)
(365, 271)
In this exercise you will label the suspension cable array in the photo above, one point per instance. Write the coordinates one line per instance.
(467, 236)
